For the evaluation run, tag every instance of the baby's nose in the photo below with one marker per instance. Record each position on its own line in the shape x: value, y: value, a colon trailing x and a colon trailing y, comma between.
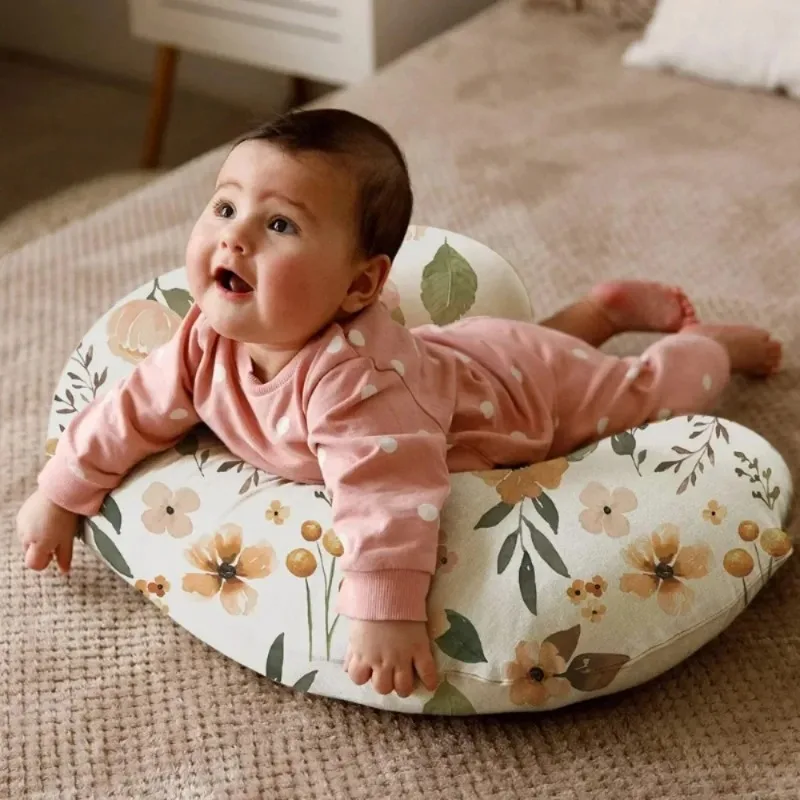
x: 234, y: 241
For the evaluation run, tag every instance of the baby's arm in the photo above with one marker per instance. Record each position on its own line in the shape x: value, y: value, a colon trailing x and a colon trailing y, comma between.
x: 384, y: 460
x: 145, y: 413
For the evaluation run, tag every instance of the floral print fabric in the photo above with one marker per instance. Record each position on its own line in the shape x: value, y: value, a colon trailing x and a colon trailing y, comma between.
x: 554, y: 583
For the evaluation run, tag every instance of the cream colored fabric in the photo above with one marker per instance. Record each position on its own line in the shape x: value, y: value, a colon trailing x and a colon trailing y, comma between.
x: 547, y: 590
x: 574, y: 169
x: 752, y: 44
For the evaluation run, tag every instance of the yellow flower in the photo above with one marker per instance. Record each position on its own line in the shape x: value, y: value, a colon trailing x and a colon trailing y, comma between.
x: 277, y: 513
x: 748, y: 530
x: 301, y: 563
x: 715, y: 513
x: 738, y: 563
x: 226, y: 566
x: 662, y: 563
x: 605, y: 511
x: 775, y: 542
x: 333, y: 544
x: 168, y: 511
x: 576, y: 592
x: 594, y: 611
x: 50, y: 447
x: 535, y: 674
x: 310, y: 530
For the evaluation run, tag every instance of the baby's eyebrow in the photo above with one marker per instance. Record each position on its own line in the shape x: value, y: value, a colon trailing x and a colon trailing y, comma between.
x: 296, y: 203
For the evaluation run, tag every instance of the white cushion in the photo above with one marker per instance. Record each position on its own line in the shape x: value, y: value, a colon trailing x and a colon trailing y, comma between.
x: 753, y: 43
x: 542, y: 597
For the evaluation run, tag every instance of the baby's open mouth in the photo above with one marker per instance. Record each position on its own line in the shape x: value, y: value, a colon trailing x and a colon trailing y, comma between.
x: 231, y: 282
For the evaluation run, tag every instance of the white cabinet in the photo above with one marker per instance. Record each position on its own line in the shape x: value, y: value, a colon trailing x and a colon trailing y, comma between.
x: 338, y: 41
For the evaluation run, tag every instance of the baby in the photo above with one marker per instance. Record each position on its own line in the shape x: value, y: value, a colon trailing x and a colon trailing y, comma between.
x: 291, y: 359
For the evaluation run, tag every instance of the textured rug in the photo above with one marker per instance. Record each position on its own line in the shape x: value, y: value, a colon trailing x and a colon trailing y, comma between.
x: 523, y: 131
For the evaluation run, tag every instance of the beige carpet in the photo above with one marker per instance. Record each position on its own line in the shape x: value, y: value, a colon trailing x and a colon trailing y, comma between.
x: 523, y: 131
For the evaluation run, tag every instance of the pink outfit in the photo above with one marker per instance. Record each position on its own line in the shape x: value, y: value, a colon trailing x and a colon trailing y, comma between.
x: 382, y: 415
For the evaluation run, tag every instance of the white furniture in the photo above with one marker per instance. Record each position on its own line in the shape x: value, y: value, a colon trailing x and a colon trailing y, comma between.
x: 337, y: 41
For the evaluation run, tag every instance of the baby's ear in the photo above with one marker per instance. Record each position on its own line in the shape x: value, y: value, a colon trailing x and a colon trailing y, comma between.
x: 368, y: 284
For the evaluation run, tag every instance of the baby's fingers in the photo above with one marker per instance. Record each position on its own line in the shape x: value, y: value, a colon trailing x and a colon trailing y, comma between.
x: 359, y: 671
x: 37, y: 557
x: 426, y: 669
x: 383, y: 679
x: 64, y: 554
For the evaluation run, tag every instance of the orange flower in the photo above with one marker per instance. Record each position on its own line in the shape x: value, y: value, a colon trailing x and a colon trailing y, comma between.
x: 715, y: 513
x: 333, y: 544
x: 169, y: 510
x: 535, y: 674
x: 446, y: 560
x: 594, y: 611
x: 662, y: 563
x: 277, y: 513
x: 748, y: 530
x: 775, y: 542
x: 225, y: 567
x: 576, y: 592
x: 139, y: 327
x: 310, y: 530
x: 516, y: 484
x: 597, y: 586
x: 159, y: 586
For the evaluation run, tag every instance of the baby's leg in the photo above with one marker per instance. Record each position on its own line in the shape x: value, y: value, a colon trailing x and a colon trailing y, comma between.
x: 623, y: 306
x: 599, y: 395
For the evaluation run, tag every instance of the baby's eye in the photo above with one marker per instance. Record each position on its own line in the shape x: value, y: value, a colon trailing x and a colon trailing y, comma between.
x: 282, y: 225
x: 222, y: 208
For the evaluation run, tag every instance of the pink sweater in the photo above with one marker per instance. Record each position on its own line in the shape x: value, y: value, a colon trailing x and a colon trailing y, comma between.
x: 379, y: 413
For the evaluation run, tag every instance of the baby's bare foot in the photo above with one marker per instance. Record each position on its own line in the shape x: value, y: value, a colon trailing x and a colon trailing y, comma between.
x: 643, y: 306
x: 751, y: 350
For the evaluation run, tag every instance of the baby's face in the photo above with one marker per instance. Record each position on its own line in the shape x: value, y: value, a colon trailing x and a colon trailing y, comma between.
x: 272, y: 257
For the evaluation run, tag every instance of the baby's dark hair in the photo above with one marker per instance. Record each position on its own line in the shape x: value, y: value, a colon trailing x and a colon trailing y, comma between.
x: 385, y: 199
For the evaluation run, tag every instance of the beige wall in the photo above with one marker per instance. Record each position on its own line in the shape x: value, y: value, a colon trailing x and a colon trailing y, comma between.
x: 94, y: 34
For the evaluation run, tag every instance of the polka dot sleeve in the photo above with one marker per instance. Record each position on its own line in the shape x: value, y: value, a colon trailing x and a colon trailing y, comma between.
x: 146, y: 413
x: 383, y: 458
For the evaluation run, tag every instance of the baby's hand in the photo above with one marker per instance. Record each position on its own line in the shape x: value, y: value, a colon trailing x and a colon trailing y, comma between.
x: 389, y: 652
x: 45, y: 530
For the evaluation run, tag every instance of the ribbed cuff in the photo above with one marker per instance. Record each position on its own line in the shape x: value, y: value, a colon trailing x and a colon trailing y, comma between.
x: 386, y: 595
x: 61, y: 486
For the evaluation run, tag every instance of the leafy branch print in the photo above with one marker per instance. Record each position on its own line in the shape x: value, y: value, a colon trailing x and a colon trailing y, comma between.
x: 768, y: 495
x: 86, y: 386
x: 712, y: 430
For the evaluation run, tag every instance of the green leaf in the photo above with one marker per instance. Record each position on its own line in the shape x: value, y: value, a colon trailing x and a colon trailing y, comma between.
x: 449, y: 701
x: 449, y: 286
x: 665, y: 465
x: 591, y: 672
x: 461, y: 640
x: 565, y: 641
x: 547, y: 510
x: 527, y: 582
x: 224, y: 467
x: 623, y: 444
x: 179, y: 300
x: 188, y: 445
x: 275, y: 660
x: 775, y: 493
x: 681, y: 451
x: 110, y: 510
x: 304, y: 684
x: 108, y: 550
x: 684, y: 484
x: 545, y: 549
x: 494, y: 516
x: 642, y: 457
x: 579, y: 455
x: 507, y: 551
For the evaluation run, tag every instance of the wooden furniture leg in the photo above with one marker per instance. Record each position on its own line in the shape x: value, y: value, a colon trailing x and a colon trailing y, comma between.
x: 160, y: 100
